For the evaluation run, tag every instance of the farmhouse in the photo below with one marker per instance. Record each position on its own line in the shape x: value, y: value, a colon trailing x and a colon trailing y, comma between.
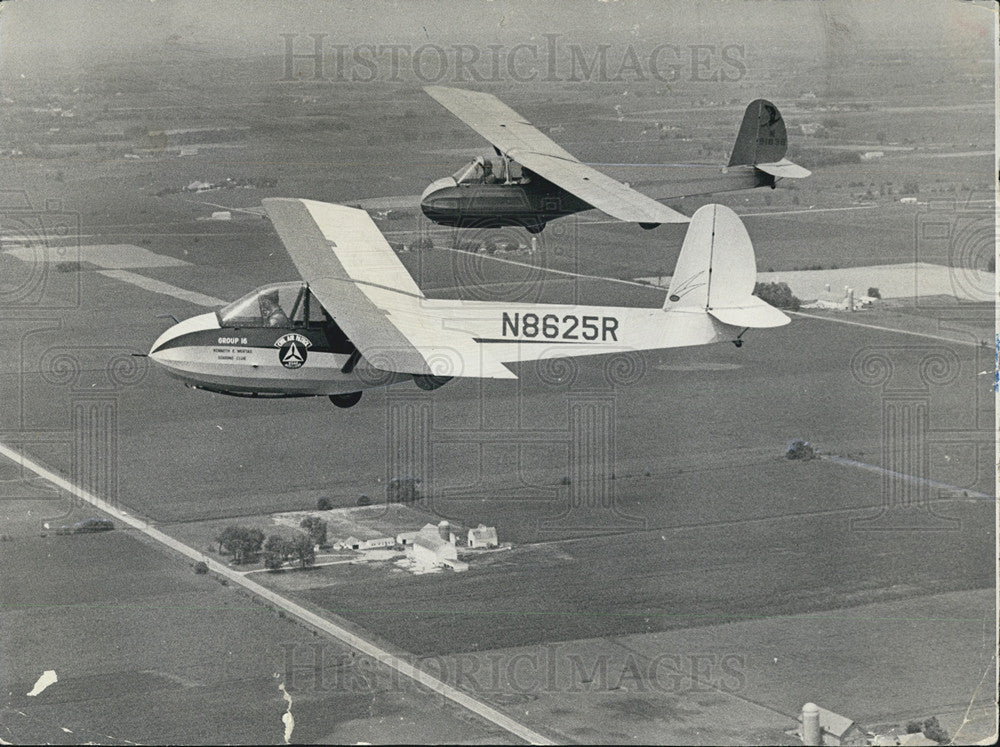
x: 483, y: 536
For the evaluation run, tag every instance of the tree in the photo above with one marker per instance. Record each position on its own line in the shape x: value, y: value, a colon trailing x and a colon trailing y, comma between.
x: 227, y: 539
x: 243, y: 543
x: 324, y: 504
x: 403, y: 490
x: 316, y: 528
x: 933, y: 730
x: 248, y: 544
x: 303, y: 549
x: 800, y: 450
x: 276, y: 551
x: 873, y: 292
x: 777, y: 294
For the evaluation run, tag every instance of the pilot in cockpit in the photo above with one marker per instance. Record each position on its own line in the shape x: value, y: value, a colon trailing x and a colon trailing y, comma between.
x: 486, y: 167
x: 271, y: 310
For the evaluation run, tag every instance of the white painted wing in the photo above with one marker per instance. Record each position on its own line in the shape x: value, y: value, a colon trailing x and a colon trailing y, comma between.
x: 396, y: 202
x: 360, y: 281
x: 495, y: 121
x: 514, y: 136
x: 604, y: 193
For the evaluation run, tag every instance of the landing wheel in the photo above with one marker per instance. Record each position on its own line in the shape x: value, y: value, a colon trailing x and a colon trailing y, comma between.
x: 738, y: 343
x: 346, y: 400
x: 535, y: 227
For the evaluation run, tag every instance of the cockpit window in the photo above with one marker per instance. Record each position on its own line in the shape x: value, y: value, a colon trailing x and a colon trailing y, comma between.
x: 490, y: 171
x: 469, y: 174
x: 283, y: 305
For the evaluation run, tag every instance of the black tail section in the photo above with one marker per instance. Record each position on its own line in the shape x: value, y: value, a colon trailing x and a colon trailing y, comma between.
x: 762, y: 137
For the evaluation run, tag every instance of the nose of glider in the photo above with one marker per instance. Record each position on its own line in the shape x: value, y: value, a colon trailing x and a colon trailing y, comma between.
x: 437, y: 185
x: 174, y: 336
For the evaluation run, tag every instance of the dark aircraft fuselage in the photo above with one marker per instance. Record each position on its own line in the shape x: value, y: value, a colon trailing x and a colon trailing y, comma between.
x: 531, y: 203
x: 472, y: 199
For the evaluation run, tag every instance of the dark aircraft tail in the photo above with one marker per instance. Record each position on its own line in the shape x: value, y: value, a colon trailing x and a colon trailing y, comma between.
x: 762, y: 142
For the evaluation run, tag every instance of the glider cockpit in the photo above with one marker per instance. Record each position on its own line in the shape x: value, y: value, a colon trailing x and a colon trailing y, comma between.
x: 491, y: 170
x: 288, y: 307
x: 284, y: 305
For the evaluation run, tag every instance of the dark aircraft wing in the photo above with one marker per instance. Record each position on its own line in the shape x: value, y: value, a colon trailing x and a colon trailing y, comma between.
x: 515, y: 137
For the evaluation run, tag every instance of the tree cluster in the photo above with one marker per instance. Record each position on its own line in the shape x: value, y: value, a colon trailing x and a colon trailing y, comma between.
x: 777, y: 294
x: 800, y: 450
x: 242, y: 543
x: 931, y: 729
x: 403, y: 490
x: 279, y: 550
x: 315, y: 528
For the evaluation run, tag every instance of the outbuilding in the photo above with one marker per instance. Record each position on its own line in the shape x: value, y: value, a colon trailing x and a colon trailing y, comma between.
x: 430, y: 550
x: 377, y: 542
x: 483, y: 536
x: 836, y: 729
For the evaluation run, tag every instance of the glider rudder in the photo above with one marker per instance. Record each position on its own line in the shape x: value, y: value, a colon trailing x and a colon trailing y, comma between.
x: 762, y: 137
x: 716, y: 272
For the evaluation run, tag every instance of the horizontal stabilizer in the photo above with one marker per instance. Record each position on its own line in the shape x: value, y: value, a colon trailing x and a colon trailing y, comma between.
x: 752, y: 312
x: 784, y: 169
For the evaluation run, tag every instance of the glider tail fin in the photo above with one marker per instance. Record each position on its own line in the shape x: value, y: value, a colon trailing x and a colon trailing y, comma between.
x: 762, y: 137
x: 716, y: 272
x: 762, y: 142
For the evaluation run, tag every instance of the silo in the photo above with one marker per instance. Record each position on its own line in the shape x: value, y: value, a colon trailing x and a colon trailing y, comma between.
x: 811, y: 733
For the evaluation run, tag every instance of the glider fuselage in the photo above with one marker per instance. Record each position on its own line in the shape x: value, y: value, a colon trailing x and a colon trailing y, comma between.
x: 303, y: 359
x: 531, y: 201
x: 358, y: 319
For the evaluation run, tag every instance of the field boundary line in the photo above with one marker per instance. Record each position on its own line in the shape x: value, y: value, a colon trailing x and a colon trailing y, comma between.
x: 939, y: 338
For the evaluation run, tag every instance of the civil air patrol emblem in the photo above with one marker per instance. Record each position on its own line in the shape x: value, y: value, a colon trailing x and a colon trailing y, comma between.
x: 293, y: 349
